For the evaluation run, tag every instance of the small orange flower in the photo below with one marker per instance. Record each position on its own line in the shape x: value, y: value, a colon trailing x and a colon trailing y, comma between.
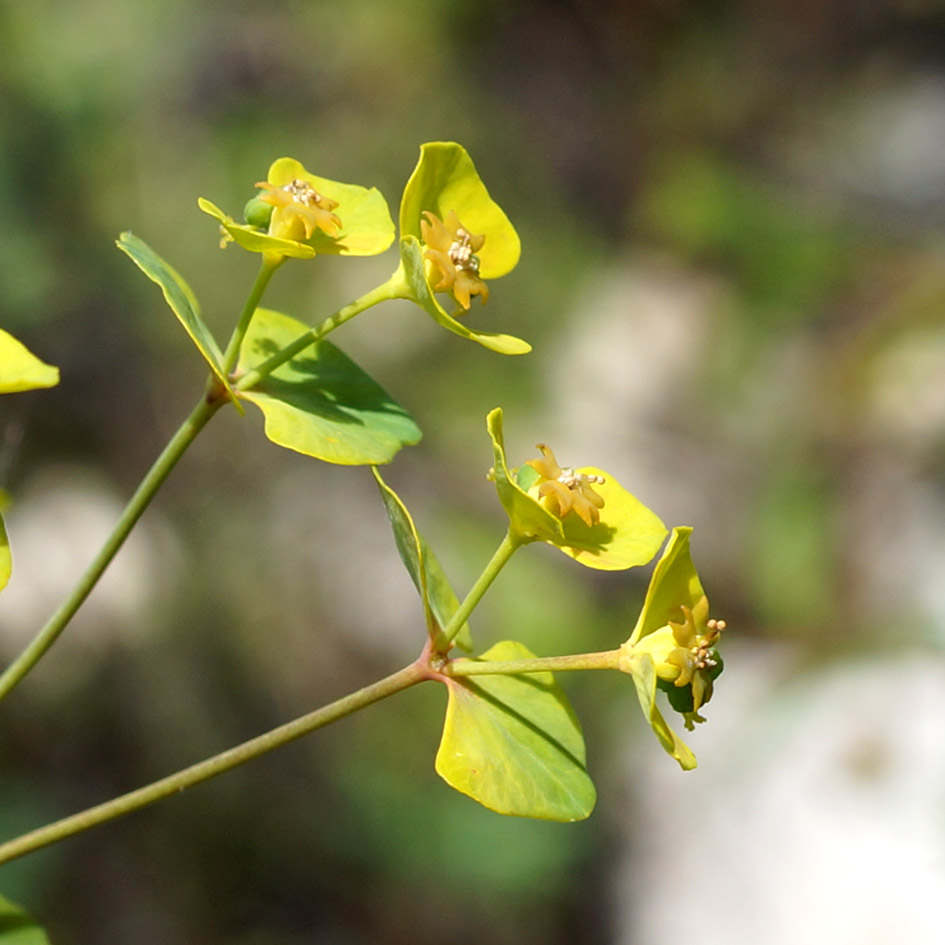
x: 451, y: 249
x: 299, y: 208
x: 564, y: 490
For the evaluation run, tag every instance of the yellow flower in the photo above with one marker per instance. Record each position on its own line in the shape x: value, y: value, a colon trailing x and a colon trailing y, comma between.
x: 673, y: 645
x: 564, y: 490
x: 685, y: 655
x: 451, y: 250
x: 299, y: 210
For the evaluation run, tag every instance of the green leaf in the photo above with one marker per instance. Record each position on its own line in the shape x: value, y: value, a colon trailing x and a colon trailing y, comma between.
x: 439, y: 599
x: 526, y: 515
x: 20, y: 369
x: 6, y: 559
x: 180, y: 298
x: 320, y: 402
x: 17, y: 927
x: 514, y: 744
x: 445, y: 179
x: 414, y: 273
x: 643, y: 671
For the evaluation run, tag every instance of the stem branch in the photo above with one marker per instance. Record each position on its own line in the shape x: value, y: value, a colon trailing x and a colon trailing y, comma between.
x: 156, y: 475
x: 382, y: 293
x: 408, y: 676
x: 609, y: 659
x: 500, y: 559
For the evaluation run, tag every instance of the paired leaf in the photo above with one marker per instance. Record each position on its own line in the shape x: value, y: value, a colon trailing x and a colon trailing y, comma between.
x: 366, y: 225
x: 627, y: 535
x: 526, y: 515
x: 413, y: 273
x: 439, y: 599
x: 320, y: 402
x: 254, y: 239
x: 514, y: 744
x: 20, y: 369
x: 445, y: 179
x: 17, y: 927
x: 180, y: 298
x: 674, y: 583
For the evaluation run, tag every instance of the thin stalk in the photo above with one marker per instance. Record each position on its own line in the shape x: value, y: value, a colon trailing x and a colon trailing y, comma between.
x: 510, y: 544
x: 382, y: 293
x: 211, y: 767
x: 156, y: 475
x: 610, y: 659
x: 266, y: 269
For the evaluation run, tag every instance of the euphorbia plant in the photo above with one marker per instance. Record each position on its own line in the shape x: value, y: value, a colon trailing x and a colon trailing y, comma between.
x: 510, y: 739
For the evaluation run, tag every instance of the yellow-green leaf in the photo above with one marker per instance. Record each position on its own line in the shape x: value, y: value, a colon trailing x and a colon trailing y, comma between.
x: 17, y: 927
x: 413, y: 273
x: 514, y: 744
x: 644, y: 677
x: 366, y: 224
x: 627, y: 535
x: 181, y: 299
x: 439, y: 599
x: 320, y: 402
x: 445, y: 179
x: 526, y: 515
x: 254, y: 239
x: 20, y: 369
x: 6, y: 559
x: 674, y: 584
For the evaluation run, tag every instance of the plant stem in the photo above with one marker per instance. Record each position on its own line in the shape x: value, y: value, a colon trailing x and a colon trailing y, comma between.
x: 472, y: 667
x: 218, y: 764
x: 510, y: 544
x: 382, y: 293
x: 266, y: 269
x: 156, y: 475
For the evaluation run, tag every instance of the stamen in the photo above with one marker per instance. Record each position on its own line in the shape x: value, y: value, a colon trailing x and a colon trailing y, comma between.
x: 571, y: 480
x: 461, y: 254
x: 304, y: 193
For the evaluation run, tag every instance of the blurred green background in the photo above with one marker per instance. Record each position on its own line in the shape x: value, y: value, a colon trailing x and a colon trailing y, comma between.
x: 733, y: 276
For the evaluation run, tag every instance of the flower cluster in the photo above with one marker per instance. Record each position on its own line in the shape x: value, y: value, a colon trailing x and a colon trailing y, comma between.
x: 564, y: 490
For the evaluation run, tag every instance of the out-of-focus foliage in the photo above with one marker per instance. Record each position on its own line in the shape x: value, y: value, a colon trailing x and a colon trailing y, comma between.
x: 733, y: 279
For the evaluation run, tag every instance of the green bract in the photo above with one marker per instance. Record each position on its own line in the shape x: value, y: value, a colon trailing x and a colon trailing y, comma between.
x: 445, y: 184
x: 20, y: 369
x: 673, y: 644
x: 364, y: 228
x: 627, y: 534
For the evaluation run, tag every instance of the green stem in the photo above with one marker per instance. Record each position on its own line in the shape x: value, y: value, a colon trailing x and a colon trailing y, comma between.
x: 156, y: 475
x: 218, y: 764
x: 266, y: 269
x: 510, y: 544
x: 609, y: 659
x: 383, y: 293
